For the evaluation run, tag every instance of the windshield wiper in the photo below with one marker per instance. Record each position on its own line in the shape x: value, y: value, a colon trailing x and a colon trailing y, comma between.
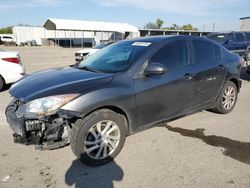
x: 88, y: 68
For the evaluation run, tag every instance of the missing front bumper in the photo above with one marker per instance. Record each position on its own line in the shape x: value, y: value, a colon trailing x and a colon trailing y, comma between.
x: 45, y: 133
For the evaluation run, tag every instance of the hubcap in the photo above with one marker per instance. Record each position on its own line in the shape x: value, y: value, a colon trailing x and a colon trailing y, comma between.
x: 229, y: 97
x: 102, y: 139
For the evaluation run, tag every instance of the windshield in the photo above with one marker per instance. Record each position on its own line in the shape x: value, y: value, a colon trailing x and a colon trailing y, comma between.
x: 115, y: 58
x: 218, y: 37
x: 100, y: 46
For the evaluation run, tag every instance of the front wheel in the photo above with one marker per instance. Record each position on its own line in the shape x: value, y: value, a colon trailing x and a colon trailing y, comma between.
x: 227, y: 98
x: 99, y: 137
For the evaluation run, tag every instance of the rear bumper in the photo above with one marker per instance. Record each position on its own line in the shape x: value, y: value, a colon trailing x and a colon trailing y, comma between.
x: 11, y: 76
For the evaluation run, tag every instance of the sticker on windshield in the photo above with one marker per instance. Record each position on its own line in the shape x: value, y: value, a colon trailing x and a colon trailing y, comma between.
x: 141, y: 43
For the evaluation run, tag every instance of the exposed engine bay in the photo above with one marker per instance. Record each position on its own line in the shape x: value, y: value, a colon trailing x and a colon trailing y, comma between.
x: 45, y: 132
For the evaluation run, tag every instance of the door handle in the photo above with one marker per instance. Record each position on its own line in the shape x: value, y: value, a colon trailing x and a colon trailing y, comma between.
x: 220, y: 67
x: 188, y: 76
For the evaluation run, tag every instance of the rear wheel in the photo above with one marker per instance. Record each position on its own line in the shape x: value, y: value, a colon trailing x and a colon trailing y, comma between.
x: 99, y: 137
x: 1, y: 83
x: 227, y: 98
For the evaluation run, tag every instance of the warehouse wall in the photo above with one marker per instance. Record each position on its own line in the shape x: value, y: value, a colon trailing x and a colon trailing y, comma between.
x: 41, y: 36
x: 245, y: 24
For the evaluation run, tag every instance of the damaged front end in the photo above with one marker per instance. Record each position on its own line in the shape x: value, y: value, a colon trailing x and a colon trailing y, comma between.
x: 44, y: 131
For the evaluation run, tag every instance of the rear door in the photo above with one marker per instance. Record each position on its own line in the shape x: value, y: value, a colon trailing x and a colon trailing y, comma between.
x: 247, y: 35
x: 210, y: 72
x: 162, y: 96
x: 240, y: 44
x: 229, y: 41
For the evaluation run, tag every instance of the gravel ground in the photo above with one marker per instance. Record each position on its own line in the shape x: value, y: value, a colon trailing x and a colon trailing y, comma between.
x: 201, y: 150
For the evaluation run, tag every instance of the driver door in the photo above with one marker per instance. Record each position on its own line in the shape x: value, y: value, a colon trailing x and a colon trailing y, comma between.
x: 159, y: 97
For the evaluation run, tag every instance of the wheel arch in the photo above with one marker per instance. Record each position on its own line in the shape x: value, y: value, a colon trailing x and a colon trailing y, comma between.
x: 4, y: 82
x: 236, y: 82
x: 118, y: 110
x: 2, y: 78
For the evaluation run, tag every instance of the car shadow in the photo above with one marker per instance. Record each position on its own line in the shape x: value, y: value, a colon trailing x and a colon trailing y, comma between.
x: 80, y: 175
x: 235, y: 149
x: 244, y: 75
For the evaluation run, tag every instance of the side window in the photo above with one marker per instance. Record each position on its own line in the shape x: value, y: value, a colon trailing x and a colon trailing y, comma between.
x: 6, y: 37
x: 229, y: 37
x: 203, y: 51
x: 172, y: 55
x: 247, y: 36
x: 239, y: 37
x: 217, y: 53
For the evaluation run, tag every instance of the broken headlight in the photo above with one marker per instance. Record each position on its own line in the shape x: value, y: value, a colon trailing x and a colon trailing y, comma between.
x: 45, y: 106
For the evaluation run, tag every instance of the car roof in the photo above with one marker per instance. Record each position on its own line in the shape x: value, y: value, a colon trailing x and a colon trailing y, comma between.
x: 161, y: 38
x: 227, y: 32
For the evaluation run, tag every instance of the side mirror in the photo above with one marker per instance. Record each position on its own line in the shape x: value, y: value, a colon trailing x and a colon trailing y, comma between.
x: 155, y: 69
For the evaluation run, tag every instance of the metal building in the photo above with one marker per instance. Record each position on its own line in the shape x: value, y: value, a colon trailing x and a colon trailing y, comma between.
x: 245, y: 24
x: 64, y: 32
x: 152, y: 32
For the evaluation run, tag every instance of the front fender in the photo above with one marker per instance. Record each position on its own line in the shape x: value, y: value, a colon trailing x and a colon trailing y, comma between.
x: 120, y: 97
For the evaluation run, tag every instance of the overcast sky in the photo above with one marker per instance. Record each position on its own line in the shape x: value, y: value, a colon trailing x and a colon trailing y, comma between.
x: 200, y: 13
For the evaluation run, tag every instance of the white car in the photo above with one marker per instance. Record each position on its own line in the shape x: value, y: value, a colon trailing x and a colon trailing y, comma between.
x: 7, y: 39
x: 11, y: 68
x: 82, y: 54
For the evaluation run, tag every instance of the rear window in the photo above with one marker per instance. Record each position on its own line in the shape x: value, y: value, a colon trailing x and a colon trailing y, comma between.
x: 203, y: 51
x: 217, y: 37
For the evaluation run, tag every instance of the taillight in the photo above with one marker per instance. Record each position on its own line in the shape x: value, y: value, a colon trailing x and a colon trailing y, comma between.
x: 12, y: 59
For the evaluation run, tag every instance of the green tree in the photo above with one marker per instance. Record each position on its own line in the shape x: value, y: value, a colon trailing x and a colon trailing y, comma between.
x: 154, y: 25
x: 174, y: 27
x: 189, y: 27
x: 159, y: 23
x: 150, y: 25
x: 6, y: 30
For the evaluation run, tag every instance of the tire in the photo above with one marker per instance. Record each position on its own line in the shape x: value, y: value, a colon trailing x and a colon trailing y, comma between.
x: 92, y: 143
x: 247, y: 59
x: 1, y: 83
x: 247, y: 53
x: 227, y: 99
x: 248, y: 69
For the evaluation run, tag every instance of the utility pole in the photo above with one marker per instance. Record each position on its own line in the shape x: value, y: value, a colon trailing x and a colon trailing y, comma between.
x: 213, y: 26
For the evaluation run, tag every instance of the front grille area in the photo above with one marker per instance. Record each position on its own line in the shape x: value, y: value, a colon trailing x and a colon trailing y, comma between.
x: 33, y: 125
x: 45, y: 133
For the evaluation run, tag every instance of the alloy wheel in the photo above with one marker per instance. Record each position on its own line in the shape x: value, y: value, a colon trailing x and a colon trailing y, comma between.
x: 229, y: 97
x: 102, y: 139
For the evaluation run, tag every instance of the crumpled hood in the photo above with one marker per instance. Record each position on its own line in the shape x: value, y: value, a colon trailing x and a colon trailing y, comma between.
x: 57, y: 81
